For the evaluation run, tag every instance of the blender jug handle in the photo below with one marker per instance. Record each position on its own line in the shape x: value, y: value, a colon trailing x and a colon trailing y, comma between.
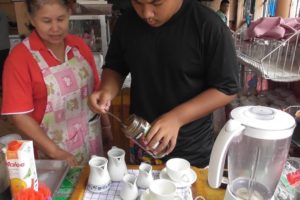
x: 231, y: 129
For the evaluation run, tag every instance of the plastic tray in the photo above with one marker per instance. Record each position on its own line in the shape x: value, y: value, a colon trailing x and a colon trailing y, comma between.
x: 52, y: 173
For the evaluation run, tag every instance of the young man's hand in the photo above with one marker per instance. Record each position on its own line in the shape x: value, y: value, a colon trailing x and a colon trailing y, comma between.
x: 163, y: 132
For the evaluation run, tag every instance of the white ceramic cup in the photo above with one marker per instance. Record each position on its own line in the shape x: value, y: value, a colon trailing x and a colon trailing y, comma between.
x: 161, y: 189
x: 178, y: 169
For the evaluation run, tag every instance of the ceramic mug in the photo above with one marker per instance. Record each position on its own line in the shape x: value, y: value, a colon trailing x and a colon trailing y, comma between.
x: 161, y: 189
x: 178, y: 169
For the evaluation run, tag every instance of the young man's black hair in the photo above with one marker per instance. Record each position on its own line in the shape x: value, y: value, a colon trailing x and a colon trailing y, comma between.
x: 224, y: 2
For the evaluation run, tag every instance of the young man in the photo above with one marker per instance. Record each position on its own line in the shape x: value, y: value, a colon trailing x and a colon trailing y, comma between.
x: 183, y: 66
x: 222, y: 12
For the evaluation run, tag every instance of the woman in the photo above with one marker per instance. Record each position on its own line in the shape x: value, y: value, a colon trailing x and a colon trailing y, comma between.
x: 47, y: 79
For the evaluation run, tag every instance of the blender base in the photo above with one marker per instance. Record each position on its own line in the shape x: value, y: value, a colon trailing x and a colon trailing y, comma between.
x: 230, y: 196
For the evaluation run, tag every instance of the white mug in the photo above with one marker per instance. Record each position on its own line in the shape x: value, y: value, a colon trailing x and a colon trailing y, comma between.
x: 162, y: 189
x: 178, y: 169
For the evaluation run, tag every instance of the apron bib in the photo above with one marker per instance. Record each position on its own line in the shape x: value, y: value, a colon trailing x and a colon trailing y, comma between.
x: 67, y: 114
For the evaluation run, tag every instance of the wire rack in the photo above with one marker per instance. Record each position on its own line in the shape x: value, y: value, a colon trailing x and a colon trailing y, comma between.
x: 277, y: 60
x: 294, y: 110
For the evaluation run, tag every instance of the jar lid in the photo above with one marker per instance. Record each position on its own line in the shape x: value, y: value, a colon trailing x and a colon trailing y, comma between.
x: 135, y: 126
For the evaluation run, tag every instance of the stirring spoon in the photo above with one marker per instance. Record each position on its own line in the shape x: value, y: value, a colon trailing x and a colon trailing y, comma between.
x: 116, y: 118
x: 111, y: 114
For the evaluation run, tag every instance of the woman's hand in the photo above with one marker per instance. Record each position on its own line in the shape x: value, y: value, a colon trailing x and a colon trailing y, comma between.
x: 60, y: 154
x: 99, y: 101
x: 31, y: 129
x: 111, y: 83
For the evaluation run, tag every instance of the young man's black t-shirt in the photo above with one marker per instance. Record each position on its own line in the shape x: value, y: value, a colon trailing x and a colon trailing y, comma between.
x: 171, y: 64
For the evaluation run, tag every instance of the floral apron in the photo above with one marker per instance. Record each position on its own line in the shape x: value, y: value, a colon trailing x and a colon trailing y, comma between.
x: 66, y: 118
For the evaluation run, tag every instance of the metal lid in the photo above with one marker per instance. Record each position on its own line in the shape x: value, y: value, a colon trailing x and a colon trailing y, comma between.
x: 265, y: 119
x: 135, y: 125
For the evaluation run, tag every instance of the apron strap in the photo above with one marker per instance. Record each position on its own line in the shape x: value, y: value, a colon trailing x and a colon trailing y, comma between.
x: 36, y: 55
x: 39, y: 58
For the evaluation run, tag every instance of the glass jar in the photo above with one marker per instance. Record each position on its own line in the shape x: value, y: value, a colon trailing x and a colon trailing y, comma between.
x: 136, y: 129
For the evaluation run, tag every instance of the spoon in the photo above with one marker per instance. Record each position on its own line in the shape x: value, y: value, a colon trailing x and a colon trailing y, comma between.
x: 111, y: 114
x: 116, y: 118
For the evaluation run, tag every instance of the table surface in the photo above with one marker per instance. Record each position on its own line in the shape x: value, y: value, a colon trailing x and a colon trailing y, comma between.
x: 200, y: 187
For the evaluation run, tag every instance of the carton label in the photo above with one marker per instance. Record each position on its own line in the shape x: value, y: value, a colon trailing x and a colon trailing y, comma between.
x: 21, y: 167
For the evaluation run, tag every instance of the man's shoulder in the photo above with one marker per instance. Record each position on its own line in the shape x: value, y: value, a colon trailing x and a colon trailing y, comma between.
x: 201, y: 9
x: 206, y: 18
x: 204, y: 14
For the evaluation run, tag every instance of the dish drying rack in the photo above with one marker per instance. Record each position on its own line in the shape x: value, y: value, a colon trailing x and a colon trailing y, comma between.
x: 277, y: 60
x: 294, y: 110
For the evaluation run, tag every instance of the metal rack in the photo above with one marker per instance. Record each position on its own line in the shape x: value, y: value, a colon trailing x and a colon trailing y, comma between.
x: 292, y: 109
x: 277, y: 60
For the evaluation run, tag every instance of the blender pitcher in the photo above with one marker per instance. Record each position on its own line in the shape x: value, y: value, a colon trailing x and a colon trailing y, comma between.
x: 257, y: 141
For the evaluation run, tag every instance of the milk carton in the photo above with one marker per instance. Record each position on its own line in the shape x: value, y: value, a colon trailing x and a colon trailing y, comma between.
x: 21, y: 165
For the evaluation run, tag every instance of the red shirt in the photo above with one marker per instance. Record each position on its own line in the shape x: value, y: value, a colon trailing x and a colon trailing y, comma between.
x: 24, y: 89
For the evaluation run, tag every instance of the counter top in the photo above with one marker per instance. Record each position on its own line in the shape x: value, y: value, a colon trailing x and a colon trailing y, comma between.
x: 200, y: 187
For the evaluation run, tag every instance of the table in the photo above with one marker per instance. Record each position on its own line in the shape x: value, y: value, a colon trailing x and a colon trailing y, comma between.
x: 200, y: 187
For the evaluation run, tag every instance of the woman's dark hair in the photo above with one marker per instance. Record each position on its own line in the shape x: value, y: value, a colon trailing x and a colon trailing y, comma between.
x: 34, y: 5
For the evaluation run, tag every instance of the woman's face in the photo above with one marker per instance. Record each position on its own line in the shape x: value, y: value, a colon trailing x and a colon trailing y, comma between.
x: 51, y: 21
